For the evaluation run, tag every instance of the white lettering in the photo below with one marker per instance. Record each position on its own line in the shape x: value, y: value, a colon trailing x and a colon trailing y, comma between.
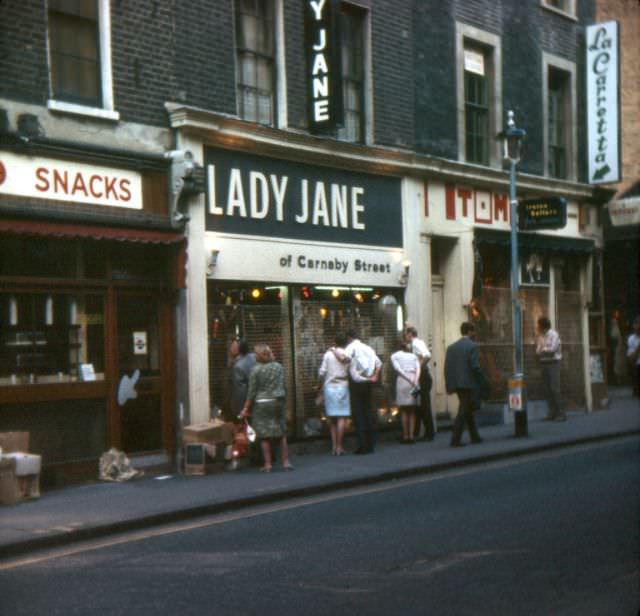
x: 235, y: 198
x: 211, y: 181
x: 279, y: 192
x: 320, y: 208
x: 357, y: 208
x: 317, y: 6
x: 258, y: 184
x: 322, y: 43
x: 321, y: 110
x: 339, y: 204
x: 319, y: 65
x: 304, y: 215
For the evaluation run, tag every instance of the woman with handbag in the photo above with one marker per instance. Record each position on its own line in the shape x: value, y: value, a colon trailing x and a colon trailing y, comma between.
x: 266, y: 405
x: 407, y: 368
x: 334, y: 378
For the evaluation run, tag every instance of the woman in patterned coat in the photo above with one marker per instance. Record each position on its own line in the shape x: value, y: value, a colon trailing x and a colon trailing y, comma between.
x: 265, y: 404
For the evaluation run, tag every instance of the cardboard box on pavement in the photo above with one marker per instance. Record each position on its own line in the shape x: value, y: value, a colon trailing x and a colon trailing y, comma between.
x: 213, y: 432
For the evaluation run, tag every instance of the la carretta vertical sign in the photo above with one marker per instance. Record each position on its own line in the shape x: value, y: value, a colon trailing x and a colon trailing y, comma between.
x: 324, y: 75
x: 603, y: 103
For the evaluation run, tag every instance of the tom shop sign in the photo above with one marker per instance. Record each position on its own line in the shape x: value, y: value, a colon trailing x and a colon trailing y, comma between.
x: 45, y: 178
x: 253, y: 195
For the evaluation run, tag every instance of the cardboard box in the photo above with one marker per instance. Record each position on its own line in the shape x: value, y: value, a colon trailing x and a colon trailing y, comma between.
x: 14, y: 441
x: 14, y: 489
x: 26, y: 463
x: 212, y: 432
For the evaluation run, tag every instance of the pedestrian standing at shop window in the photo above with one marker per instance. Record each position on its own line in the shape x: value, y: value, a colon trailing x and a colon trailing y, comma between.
x: 334, y: 377
x: 462, y: 373
x: 407, y: 368
x: 265, y: 404
x: 364, y: 370
x: 424, y: 415
x: 243, y: 363
x: 549, y: 352
x: 633, y: 355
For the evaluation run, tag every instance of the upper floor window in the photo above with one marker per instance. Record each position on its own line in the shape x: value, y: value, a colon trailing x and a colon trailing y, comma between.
x: 479, y: 86
x: 476, y: 103
x: 256, y: 60
x: 75, y: 53
x: 80, y: 57
x: 352, y: 31
x: 557, y: 124
x: 564, y: 6
x: 559, y: 115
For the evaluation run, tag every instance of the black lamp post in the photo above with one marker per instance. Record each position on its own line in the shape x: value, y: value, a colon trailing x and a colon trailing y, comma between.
x: 512, y: 139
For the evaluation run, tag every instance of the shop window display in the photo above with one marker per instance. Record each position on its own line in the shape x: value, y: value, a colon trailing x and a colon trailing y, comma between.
x: 299, y: 323
x: 51, y: 338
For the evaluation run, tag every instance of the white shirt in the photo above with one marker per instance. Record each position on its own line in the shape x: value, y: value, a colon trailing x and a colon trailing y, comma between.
x: 332, y: 370
x: 549, y: 346
x: 633, y: 342
x: 420, y: 349
x: 363, y: 361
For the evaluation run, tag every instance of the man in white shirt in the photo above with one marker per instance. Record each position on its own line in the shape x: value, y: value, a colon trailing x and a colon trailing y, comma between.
x: 633, y: 355
x: 419, y: 348
x: 549, y: 352
x: 364, y: 368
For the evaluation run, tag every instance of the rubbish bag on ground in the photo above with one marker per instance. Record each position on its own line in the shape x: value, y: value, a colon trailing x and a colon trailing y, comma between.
x: 115, y: 466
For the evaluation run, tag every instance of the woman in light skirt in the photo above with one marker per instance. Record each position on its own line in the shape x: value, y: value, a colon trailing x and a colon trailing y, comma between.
x: 334, y: 376
x: 407, y: 368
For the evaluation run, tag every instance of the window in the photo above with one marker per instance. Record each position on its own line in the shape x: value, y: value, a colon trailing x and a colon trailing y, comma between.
x: 479, y: 87
x: 256, y: 66
x: 476, y: 104
x: 559, y: 113
x: 557, y: 155
x: 80, y: 57
x: 563, y: 6
x: 352, y: 29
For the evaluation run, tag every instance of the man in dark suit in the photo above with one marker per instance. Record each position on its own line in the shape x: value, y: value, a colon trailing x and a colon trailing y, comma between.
x: 462, y: 375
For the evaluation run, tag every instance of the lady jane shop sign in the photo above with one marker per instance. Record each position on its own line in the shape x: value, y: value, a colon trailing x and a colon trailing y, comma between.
x: 322, y: 44
x: 252, y: 195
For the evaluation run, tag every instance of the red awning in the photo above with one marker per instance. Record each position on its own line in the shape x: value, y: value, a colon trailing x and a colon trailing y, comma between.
x: 94, y: 232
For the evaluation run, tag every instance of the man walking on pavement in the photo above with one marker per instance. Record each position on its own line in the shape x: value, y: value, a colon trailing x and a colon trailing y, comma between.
x: 364, y: 368
x: 549, y: 352
x: 424, y: 415
x: 462, y: 374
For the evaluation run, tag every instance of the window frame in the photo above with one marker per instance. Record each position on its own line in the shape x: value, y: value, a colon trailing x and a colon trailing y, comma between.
x: 471, y: 38
x: 105, y: 75
x: 568, y: 9
x: 278, y: 83
x: 366, y: 105
x: 556, y: 64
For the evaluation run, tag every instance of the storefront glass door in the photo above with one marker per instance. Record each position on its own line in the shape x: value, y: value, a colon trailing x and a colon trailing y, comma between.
x: 138, y: 393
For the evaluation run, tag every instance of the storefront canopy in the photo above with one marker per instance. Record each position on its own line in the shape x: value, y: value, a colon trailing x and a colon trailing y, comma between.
x: 95, y: 232
x: 536, y: 242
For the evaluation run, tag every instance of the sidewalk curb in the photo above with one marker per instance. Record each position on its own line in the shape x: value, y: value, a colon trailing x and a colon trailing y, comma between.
x: 18, y: 548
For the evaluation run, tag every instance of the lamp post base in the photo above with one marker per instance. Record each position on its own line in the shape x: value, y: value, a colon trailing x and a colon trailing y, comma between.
x: 520, y: 421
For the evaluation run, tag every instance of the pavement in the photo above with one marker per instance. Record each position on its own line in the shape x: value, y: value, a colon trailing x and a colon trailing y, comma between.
x: 90, y: 511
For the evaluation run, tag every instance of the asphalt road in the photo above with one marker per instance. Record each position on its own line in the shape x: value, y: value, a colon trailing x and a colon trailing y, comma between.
x: 552, y: 534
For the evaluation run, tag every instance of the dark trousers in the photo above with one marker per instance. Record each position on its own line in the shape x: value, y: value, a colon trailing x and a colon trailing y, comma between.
x: 363, y: 419
x: 551, y: 382
x: 635, y: 379
x: 464, y: 416
x: 424, y: 414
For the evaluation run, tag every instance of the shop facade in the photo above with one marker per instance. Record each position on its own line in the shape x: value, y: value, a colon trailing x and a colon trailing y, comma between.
x: 89, y: 272
x: 297, y: 252
x: 559, y: 277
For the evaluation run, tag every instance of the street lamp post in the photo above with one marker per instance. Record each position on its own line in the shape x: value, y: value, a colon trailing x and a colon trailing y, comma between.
x: 512, y: 139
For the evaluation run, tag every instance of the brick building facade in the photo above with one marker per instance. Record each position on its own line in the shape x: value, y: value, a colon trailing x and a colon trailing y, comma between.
x: 405, y: 194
